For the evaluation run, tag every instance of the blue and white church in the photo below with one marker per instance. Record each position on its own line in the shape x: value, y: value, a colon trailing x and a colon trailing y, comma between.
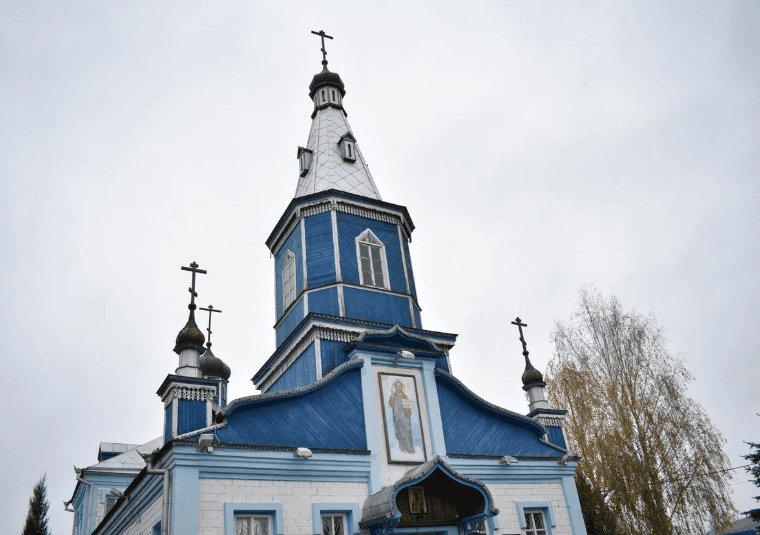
x: 360, y: 425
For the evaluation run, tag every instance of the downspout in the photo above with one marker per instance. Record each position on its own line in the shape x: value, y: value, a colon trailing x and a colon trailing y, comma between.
x: 89, y: 504
x: 163, y: 472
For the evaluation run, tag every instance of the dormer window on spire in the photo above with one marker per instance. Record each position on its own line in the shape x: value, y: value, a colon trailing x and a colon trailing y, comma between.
x: 289, y: 280
x: 304, y: 160
x: 347, y: 145
x: 370, y: 256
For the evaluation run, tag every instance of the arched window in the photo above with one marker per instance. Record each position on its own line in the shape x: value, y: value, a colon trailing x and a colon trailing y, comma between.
x: 370, y: 256
x: 288, y: 280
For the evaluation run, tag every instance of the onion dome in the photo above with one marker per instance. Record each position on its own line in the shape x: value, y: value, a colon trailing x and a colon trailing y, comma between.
x: 212, y: 366
x: 190, y: 337
x: 326, y: 78
x: 531, y: 374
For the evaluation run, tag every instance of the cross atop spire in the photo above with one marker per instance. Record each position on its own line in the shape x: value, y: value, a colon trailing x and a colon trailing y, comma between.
x: 194, y: 269
x: 210, y: 309
x: 531, y: 375
x: 322, y: 34
x: 520, y: 325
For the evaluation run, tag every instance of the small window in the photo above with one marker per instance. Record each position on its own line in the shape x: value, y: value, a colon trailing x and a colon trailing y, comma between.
x: 371, y: 256
x: 323, y: 96
x: 304, y: 160
x: 288, y: 280
x: 334, y: 524
x: 253, y: 525
x: 534, y: 520
x: 110, y: 502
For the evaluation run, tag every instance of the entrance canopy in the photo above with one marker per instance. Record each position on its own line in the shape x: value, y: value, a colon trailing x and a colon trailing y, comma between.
x: 430, y: 495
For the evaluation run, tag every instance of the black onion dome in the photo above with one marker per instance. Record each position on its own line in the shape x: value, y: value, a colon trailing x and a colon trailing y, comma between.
x: 190, y: 337
x: 326, y: 78
x: 212, y: 366
x: 531, y: 375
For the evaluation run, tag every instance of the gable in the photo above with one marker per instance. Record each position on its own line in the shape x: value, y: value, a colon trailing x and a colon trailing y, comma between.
x: 474, y: 427
x: 327, y: 414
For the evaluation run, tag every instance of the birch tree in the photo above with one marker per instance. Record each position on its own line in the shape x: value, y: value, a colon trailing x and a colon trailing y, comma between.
x: 649, y: 447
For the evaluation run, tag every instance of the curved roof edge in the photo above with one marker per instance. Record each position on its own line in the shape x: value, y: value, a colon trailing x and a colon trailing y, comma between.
x: 301, y: 390
x: 524, y: 421
x: 380, y: 507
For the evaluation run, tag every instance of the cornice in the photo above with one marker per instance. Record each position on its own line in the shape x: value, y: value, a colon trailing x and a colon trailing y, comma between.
x: 443, y: 340
x: 333, y: 199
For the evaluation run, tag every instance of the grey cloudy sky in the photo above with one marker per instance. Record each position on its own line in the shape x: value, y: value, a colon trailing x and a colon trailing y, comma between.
x: 538, y: 147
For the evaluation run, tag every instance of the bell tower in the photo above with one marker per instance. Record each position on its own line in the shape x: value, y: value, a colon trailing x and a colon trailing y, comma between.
x: 342, y: 256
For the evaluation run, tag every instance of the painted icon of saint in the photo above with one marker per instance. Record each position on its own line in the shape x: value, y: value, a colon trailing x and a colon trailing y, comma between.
x: 402, y: 417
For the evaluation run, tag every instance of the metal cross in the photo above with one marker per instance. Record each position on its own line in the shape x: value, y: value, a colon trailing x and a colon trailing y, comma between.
x: 210, y: 309
x: 194, y: 268
x: 322, y: 34
x: 520, y: 325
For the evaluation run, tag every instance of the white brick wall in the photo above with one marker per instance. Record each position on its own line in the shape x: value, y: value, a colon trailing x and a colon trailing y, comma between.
x: 506, y: 495
x: 148, y: 518
x: 296, y: 498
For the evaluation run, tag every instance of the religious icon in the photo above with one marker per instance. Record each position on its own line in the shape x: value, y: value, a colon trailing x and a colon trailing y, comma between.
x: 401, y: 414
x: 417, y: 504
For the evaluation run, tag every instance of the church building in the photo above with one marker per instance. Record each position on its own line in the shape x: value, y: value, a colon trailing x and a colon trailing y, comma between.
x: 360, y: 425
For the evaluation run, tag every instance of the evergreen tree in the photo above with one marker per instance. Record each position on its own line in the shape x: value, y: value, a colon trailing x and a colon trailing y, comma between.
x: 36, y: 518
x: 754, y: 469
x: 597, y: 514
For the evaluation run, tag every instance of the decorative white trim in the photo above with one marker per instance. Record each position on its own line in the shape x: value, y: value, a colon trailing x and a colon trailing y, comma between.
x: 175, y: 416
x: 312, y: 335
x: 318, y: 358
x: 341, y: 302
x: 303, y: 255
x: 290, y: 257
x: 353, y: 207
x: 336, y: 244
x: 371, y: 240
x: 403, y: 261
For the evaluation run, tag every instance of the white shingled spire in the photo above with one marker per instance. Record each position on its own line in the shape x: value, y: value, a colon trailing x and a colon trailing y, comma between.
x: 328, y: 168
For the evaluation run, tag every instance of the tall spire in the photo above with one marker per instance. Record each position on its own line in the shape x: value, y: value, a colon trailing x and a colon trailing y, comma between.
x: 332, y: 158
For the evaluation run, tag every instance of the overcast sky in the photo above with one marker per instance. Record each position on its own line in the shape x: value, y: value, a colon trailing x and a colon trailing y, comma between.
x: 538, y: 147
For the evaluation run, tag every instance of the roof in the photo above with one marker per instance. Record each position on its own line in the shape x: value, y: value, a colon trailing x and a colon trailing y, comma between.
x: 381, y: 505
x: 130, y: 458
x: 328, y: 169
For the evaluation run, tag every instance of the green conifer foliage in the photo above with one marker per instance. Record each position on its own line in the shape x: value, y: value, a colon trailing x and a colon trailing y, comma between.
x: 36, y: 518
x: 754, y: 469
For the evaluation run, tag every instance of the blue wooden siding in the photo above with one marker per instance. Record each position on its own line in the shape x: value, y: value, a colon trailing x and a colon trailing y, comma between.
x: 191, y: 415
x: 329, y: 416
x: 332, y: 355
x: 471, y: 427
x: 377, y: 306
x: 291, y: 321
x: 556, y: 436
x: 320, y: 255
x: 349, y: 227
x: 443, y: 364
x: 293, y: 243
x: 417, y: 316
x: 412, y: 286
x: 324, y: 301
x: 168, y: 420
x: 302, y: 372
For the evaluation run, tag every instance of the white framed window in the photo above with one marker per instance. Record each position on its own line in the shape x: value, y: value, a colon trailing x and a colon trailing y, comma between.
x: 288, y: 280
x: 110, y: 502
x: 535, y: 523
x: 347, y: 147
x: 371, y: 260
x: 253, y: 525
x: 334, y: 524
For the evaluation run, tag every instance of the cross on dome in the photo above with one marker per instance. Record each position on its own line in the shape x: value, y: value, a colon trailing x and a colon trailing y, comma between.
x: 322, y: 34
